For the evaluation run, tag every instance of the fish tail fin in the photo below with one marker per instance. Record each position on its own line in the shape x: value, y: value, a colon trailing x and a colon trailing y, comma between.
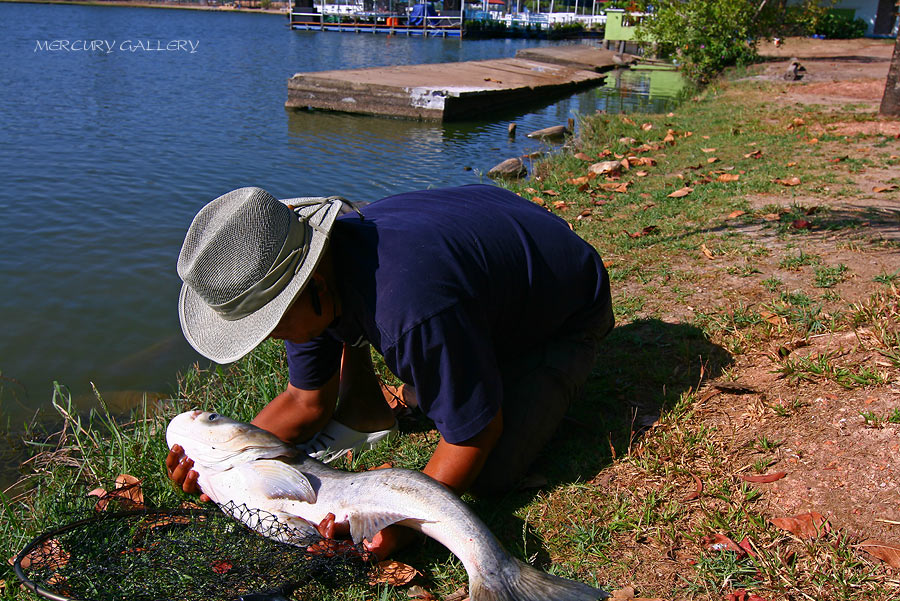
x: 521, y: 582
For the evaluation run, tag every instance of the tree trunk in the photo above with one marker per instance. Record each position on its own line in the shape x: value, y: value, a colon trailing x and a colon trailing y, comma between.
x: 890, y: 102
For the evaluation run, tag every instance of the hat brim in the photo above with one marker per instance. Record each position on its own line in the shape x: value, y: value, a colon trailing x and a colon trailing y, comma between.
x: 225, y: 341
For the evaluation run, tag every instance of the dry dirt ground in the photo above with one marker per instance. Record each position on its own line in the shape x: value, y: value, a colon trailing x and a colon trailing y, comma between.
x: 842, y: 458
x: 837, y: 463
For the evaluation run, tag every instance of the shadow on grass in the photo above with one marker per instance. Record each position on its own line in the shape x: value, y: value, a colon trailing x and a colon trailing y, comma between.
x: 641, y: 373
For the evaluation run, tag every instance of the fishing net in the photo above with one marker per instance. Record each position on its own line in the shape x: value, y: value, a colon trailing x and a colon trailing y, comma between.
x: 117, y: 551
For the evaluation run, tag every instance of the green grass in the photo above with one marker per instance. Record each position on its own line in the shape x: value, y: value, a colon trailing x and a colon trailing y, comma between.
x: 614, y: 511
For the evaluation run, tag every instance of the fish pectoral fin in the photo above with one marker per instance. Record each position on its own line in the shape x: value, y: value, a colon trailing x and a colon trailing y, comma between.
x: 367, y: 525
x: 278, y: 480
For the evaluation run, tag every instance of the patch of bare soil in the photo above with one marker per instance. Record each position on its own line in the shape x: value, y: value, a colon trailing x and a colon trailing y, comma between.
x: 836, y: 71
x: 821, y: 408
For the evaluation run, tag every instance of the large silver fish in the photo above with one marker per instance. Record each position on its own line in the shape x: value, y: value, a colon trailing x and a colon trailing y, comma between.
x: 240, y: 464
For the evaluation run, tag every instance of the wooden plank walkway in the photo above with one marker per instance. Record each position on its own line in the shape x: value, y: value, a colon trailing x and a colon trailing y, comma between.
x: 450, y: 91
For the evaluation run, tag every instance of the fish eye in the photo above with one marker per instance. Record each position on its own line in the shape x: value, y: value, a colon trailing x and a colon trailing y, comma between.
x: 213, y: 417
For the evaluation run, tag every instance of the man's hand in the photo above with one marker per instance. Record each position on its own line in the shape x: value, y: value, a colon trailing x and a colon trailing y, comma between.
x: 389, y: 540
x: 179, y: 467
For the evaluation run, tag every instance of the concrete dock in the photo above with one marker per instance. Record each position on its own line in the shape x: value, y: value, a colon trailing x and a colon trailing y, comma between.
x: 453, y: 91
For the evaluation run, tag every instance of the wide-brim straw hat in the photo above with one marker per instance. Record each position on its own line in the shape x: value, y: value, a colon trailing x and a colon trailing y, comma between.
x: 246, y: 257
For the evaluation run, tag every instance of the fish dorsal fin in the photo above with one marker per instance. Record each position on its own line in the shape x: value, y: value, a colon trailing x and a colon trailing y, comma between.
x: 366, y: 525
x: 278, y: 480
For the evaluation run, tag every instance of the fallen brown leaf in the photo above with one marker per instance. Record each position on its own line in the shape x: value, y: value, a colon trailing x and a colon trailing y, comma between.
x: 551, y: 192
x: 584, y: 214
x: 646, y: 126
x: 791, y: 181
x: 583, y: 157
x: 728, y: 177
x: 720, y: 542
x: 647, y: 230
x: 560, y: 205
x: 392, y: 572
x: 49, y: 554
x: 889, y: 553
x: 879, y: 189
x: 628, y: 121
x: 707, y: 150
x: 698, y: 490
x: 735, y: 214
x: 681, y: 192
x: 805, y: 526
x: 127, y: 491
x: 417, y: 592
x: 537, y: 200
x: 627, y: 594
x: 771, y: 217
x: 579, y: 181
x: 801, y: 224
x: 460, y: 594
x: 756, y: 154
x: 772, y: 318
x: 763, y: 478
x: 706, y: 252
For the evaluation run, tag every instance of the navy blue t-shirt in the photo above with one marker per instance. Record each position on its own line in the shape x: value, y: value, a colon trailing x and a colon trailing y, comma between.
x: 448, y: 285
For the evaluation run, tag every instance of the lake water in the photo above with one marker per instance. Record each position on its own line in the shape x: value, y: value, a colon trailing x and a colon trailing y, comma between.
x: 107, y: 155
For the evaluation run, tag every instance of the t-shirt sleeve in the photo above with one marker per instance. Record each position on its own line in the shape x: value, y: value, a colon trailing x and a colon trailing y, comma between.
x: 451, y: 361
x: 311, y: 364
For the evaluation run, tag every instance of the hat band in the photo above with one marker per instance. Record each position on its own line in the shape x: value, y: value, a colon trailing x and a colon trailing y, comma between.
x: 285, y: 266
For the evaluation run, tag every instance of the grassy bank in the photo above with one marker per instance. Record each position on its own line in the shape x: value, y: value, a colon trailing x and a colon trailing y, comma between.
x: 751, y: 243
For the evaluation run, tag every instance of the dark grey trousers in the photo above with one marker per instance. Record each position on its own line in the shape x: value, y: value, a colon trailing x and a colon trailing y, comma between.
x: 537, y: 390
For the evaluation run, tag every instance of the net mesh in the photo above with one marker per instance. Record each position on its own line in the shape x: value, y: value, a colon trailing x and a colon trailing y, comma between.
x: 182, y: 554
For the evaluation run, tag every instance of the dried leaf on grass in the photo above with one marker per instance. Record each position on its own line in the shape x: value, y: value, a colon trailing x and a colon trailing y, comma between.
x: 392, y: 572
x: 551, y: 192
x: 728, y: 177
x: 127, y: 491
x: 720, y: 542
x: 627, y: 594
x: 460, y: 594
x: 790, y: 181
x: 681, y: 192
x: 756, y: 154
x: 805, y: 526
x: 49, y: 554
x: 706, y: 252
x: 889, y: 553
x: 878, y: 189
x: 583, y: 157
x: 763, y: 478
x: 735, y: 214
x: 698, y: 489
x: 647, y: 230
x: 417, y: 592
x: 743, y: 595
x: 772, y: 318
x: 801, y: 224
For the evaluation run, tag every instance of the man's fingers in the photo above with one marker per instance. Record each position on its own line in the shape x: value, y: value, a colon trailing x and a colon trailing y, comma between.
x: 173, y: 458
x: 326, y: 526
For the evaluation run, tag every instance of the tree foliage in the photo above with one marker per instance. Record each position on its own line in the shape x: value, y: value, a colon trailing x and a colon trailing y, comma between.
x: 705, y: 36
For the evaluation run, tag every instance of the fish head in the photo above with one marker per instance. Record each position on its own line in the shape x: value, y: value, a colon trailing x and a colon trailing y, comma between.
x: 217, y: 442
